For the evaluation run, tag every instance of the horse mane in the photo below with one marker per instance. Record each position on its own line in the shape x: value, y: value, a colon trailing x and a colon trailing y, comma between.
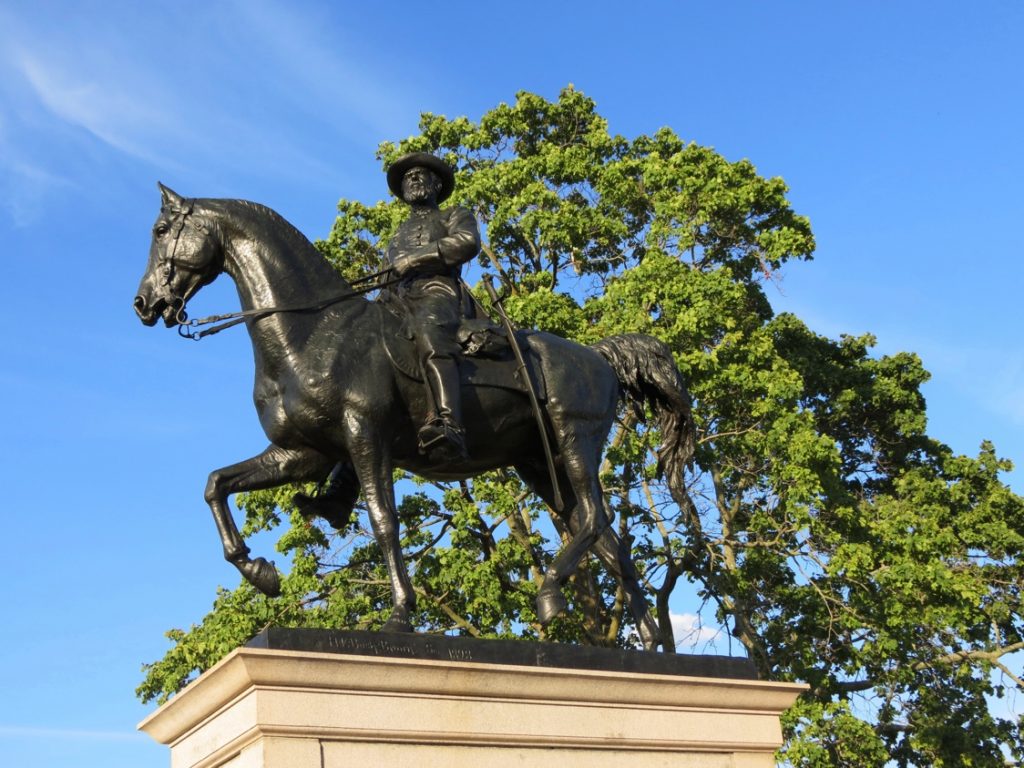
x: 248, y: 213
x: 286, y: 226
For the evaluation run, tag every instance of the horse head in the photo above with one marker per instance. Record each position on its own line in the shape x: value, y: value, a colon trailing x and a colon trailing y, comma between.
x: 183, y: 257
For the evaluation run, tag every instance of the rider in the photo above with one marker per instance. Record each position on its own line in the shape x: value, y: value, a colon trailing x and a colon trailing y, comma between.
x: 427, y: 254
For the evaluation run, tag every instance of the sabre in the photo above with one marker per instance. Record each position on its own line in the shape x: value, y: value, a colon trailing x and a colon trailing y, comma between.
x: 524, y: 377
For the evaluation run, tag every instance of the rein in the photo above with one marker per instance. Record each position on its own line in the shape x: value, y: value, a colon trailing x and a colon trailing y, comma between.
x: 186, y: 326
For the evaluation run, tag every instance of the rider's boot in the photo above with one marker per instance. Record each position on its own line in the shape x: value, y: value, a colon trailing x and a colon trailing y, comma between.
x: 444, y: 436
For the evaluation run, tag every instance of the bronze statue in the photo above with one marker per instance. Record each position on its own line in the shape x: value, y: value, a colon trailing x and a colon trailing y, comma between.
x: 332, y: 391
x: 427, y: 253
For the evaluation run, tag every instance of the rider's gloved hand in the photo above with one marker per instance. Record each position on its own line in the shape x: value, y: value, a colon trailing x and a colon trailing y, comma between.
x: 423, y: 257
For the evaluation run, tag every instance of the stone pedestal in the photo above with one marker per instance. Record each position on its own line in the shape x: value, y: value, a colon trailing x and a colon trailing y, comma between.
x: 374, y: 700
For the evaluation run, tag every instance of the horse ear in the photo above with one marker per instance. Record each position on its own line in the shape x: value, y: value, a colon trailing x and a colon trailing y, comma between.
x: 170, y: 198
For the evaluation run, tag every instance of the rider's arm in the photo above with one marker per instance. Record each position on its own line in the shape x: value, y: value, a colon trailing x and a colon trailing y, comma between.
x: 460, y: 245
x: 462, y: 242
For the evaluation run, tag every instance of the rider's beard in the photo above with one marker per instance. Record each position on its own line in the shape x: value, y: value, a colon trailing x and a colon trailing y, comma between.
x: 420, y: 192
x: 418, y: 195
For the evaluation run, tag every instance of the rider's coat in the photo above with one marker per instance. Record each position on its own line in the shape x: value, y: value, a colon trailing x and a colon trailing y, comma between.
x: 428, y: 252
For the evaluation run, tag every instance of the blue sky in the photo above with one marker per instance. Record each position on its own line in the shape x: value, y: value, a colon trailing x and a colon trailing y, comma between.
x: 896, y: 126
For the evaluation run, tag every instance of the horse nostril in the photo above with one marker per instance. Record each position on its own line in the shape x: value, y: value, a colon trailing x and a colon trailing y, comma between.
x: 142, y: 310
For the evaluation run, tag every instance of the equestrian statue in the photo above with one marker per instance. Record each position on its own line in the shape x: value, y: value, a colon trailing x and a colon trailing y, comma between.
x: 348, y: 389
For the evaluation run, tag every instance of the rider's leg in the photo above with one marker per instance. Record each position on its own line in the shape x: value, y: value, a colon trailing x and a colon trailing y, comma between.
x: 445, y: 431
x: 436, y: 321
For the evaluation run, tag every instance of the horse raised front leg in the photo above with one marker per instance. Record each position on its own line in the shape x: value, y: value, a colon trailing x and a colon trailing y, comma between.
x: 275, y: 466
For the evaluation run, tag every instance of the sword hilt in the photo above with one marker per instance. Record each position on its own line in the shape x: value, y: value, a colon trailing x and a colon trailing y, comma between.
x: 495, y: 297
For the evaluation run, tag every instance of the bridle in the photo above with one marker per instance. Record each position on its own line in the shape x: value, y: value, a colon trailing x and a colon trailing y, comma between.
x: 186, y: 327
x: 168, y: 266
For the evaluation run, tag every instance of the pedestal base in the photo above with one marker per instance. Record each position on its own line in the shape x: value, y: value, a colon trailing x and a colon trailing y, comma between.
x: 274, y: 708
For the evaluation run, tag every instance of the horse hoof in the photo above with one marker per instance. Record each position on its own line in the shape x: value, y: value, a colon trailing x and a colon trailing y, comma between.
x: 550, y: 603
x: 398, y: 621
x: 263, y: 576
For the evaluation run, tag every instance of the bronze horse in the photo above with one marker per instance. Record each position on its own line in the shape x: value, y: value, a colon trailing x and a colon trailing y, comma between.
x: 326, y: 392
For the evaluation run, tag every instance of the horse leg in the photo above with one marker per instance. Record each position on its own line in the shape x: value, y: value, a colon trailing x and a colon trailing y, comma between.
x: 275, y: 466
x: 610, y: 548
x: 336, y: 500
x: 580, y: 458
x: 373, y: 468
x: 614, y: 553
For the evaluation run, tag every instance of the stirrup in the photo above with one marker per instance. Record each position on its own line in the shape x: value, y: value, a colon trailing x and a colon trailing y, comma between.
x: 444, y: 437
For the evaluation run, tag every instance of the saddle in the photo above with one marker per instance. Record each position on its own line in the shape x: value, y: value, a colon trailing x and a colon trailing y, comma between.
x: 486, y: 358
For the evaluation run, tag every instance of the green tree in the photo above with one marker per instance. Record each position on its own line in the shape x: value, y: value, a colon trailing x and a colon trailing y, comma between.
x: 838, y: 542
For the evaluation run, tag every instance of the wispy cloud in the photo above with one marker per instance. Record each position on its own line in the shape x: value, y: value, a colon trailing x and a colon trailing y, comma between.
x: 108, y: 110
x: 996, y: 387
x: 24, y: 187
x: 974, y: 353
x: 690, y: 632
x: 1008, y: 396
x: 69, y: 734
x: 339, y: 76
x: 987, y: 374
x: 253, y: 88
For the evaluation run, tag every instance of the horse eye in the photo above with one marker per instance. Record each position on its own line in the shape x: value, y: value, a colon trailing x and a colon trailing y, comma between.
x: 160, y: 230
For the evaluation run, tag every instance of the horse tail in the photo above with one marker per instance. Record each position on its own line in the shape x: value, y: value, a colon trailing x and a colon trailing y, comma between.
x: 648, y: 374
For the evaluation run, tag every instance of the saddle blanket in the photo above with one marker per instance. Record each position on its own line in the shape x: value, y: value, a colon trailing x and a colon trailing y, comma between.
x: 500, y: 371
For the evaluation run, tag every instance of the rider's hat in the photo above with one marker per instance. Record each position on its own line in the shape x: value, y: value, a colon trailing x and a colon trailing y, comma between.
x: 423, y: 160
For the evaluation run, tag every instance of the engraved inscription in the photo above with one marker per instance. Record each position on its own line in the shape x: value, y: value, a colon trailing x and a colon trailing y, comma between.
x: 370, y: 647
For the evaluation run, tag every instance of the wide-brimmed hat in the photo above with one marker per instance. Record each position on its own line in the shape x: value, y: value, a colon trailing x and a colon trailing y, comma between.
x: 422, y: 160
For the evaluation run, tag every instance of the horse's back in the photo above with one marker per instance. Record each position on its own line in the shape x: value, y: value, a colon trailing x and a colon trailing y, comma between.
x: 577, y: 377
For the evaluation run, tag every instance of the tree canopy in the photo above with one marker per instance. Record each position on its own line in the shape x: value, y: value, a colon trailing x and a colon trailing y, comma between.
x: 835, y: 540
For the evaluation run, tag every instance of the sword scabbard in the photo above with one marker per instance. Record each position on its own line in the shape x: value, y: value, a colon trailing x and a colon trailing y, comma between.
x: 527, y: 382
